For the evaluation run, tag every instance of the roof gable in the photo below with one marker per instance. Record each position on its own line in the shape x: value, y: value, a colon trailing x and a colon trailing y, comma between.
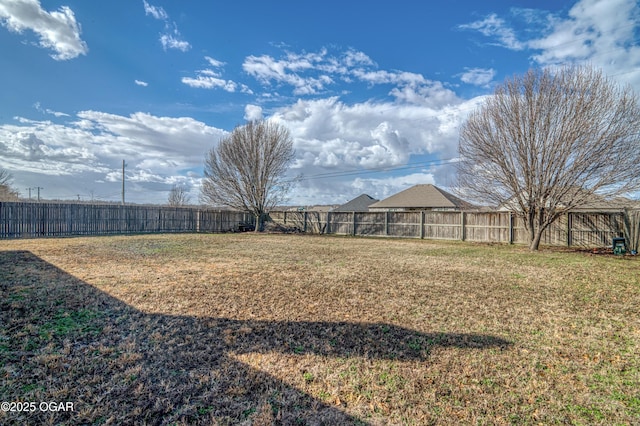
x: 422, y: 196
x: 359, y: 204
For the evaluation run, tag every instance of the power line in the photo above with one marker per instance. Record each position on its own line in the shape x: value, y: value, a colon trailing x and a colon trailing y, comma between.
x: 352, y: 172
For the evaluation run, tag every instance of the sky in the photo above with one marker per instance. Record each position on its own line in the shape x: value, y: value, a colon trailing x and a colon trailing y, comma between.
x: 372, y: 92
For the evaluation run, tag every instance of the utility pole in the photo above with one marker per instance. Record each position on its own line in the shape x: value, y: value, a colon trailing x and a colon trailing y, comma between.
x: 39, y: 188
x: 29, y: 189
x: 123, y: 165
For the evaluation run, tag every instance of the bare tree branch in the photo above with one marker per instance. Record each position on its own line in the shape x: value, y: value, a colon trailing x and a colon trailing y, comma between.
x: 178, y: 196
x: 7, y: 192
x: 549, y: 140
x: 246, y: 170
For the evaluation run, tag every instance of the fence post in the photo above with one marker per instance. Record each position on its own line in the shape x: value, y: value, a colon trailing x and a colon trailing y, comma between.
x: 328, y: 223
x: 511, y: 232
x: 353, y: 223
x: 304, y: 226
x: 386, y: 223
x: 422, y: 216
x: 569, y: 228
x: 463, y: 229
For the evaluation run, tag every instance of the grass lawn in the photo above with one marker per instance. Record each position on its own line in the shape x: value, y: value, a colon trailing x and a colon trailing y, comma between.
x: 293, y: 329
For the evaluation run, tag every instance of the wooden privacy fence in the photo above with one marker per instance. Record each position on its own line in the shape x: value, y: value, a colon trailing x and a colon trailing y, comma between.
x: 31, y: 220
x: 587, y: 229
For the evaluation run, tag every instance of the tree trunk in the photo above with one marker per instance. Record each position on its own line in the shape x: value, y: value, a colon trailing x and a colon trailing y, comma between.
x: 532, y: 229
x: 258, y: 225
x: 535, y: 242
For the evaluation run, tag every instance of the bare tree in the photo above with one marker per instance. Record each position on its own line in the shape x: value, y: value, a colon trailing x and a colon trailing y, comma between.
x: 548, y: 141
x: 178, y: 196
x: 246, y: 169
x: 7, y: 192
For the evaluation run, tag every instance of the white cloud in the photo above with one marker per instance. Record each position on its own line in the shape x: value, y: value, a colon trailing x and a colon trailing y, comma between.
x: 599, y: 33
x: 210, y: 79
x: 171, y: 37
x: 308, y: 73
x: 170, y: 41
x: 57, y: 30
x: 495, y: 27
x: 317, y: 73
x: 478, y: 76
x: 158, y: 150
x: 252, y: 112
x: 39, y: 108
x: 204, y: 81
x: 141, y: 83
x: 156, y: 12
x: 595, y: 32
x: 266, y: 69
x: 214, y: 62
x: 333, y: 137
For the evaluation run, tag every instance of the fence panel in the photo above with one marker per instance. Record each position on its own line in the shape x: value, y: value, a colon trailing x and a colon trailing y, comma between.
x: 595, y: 229
x: 589, y: 229
x: 405, y: 224
x: 373, y: 223
x: 341, y: 223
x: 31, y: 220
x: 488, y: 226
x: 443, y: 225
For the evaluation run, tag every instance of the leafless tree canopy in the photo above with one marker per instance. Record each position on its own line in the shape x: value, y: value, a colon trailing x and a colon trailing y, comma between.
x: 178, y: 196
x: 246, y: 170
x: 549, y: 140
x: 7, y: 192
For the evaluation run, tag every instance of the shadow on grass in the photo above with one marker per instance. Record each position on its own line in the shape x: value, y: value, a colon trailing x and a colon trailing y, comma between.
x: 62, y: 339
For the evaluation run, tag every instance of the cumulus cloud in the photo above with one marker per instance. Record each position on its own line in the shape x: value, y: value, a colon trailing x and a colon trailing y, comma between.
x: 212, y: 79
x: 308, y: 73
x: 158, y: 150
x: 141, y: 83
x: 478, y: 76
x: 318, y: 73
x: 596, y: 32
x: 57, y: 30
x: 332, y: 138
x: 600, y: 33
x: 267, y: 69
x: 252, y: 112
x: 170, y: 38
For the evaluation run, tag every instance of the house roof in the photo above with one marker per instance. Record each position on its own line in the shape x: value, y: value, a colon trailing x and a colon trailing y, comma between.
x: 359, y: 204
x: 422, y: 196
x: 591, y: 202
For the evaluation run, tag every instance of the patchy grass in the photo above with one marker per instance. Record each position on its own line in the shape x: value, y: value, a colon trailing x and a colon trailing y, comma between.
x: 294, y: 329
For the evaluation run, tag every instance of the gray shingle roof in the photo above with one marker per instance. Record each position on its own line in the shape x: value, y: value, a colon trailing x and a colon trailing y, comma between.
x: 359, y: 204
x: 422, y: 196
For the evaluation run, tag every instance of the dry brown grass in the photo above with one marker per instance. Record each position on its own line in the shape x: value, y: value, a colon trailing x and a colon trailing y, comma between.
x: 294, y: 329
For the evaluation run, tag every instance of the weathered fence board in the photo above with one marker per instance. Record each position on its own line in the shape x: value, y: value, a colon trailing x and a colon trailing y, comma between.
x: 30, y: 220
x: 586, y: 229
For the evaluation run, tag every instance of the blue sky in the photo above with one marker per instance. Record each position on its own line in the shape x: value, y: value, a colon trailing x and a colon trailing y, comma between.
x: 373, y: 92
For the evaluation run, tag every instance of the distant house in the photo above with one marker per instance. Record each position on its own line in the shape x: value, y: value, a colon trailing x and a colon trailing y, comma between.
x: 421, y: 197
x: 316, y: 208
x: 591, y: 203
x: 359, y: 204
